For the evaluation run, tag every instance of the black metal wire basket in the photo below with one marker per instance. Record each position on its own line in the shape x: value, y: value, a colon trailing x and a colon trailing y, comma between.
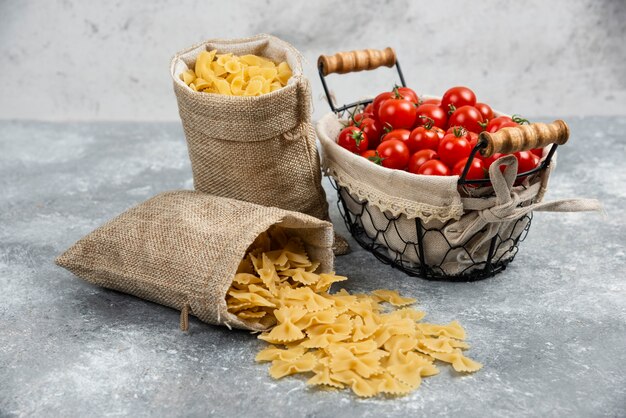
x: 403, y: 243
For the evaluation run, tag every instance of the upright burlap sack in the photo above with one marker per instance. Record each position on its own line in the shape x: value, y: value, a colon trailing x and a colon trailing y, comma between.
x: 257, y: 149
x: 457, y: 228
x: 182, y: 248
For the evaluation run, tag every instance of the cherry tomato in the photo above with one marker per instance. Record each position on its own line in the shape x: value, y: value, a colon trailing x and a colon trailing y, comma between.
x: 495, y: 124
x: 372, y: 155
x: 457, y: 97
x: 475, y: 172
x: 472, y: 137
x: 468, y: 117
x: 526, y: 161
x: 419, y: 158
x: 538, y: 152
x: 394, y: 154
x: 369, y: 109
x: 453, y: 149
x: 373, y: 130
x: 485, y: 110
x: 356, y: 119
x: 440, y: 132
x: 422, y: 138
x: 397, y: 113
x: 378, y: 100
x: 435, y: 113
x: 434, y: 168
x: 353, y: 139
x: 403, y: 135
x: 432, y: 101
x: 408, y: 94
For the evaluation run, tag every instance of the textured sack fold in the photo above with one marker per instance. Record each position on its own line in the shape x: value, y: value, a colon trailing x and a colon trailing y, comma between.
x: 458, y: 229
x: 257, y: 149
x: 182, y: 248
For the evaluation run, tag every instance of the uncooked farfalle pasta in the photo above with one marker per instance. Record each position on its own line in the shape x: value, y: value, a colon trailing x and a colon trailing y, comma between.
x: 373, y: 344
x: 229, y: 74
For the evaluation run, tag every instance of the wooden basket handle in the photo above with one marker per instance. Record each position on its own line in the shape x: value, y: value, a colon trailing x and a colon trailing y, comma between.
x: 524, y: 137
x: 352, y: 61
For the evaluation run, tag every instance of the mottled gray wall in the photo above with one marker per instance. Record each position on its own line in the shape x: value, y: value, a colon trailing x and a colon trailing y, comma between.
x: 75, y: 59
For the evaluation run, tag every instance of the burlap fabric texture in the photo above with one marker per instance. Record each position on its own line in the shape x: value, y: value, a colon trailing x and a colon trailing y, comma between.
x: 257, y: 149
x: 456, y: 220
x: 182, y: 248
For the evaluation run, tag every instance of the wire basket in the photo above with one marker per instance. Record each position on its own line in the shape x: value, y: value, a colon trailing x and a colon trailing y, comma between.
x: 420, y: 247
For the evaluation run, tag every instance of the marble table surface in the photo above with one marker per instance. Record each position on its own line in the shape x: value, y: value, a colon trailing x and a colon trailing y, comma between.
x: 550, y: 330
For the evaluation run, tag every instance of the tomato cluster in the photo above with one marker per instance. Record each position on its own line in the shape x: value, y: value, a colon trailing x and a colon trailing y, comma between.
x: 400, y: 131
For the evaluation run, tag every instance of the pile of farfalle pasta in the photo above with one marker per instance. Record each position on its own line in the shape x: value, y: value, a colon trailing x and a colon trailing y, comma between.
x: 373, y: 344
x: 232, y: 75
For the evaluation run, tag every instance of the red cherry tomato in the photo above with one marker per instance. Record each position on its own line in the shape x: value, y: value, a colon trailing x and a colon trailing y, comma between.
x: 468, y: 117
x: 422, y: 138
x: 434, y: 168
x: 453, y: 149
x: 397, y: 113
x: 353, y: 139
x: 399, y: 134
x: 458, y: 97
x: 369, y: 109
x: 378, y: 100
x: 440, y: 132
x: 356, y: 119
x: 538, y: 152
x: 432, y: 101
x: 475, y: 172
x: 408, y: 94
x: 419, y: 158
x: 394, y: 154
x: 495, y: 124
x: 427, y: 112
x: 371, y: 155
x: 373, y: 130
x: 526, y: 161
x: 485, y: 110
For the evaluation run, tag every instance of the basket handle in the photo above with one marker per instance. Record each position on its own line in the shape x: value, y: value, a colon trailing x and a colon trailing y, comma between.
x: 353, y: 61
x: 524, y: 137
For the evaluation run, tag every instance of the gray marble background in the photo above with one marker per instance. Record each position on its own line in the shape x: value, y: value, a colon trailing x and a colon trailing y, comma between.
x: 85, y: 60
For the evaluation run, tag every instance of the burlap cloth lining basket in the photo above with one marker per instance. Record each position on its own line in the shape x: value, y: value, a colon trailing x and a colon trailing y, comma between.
x: 436, y: 200
x: 182, y: 248
x: 257, y: 149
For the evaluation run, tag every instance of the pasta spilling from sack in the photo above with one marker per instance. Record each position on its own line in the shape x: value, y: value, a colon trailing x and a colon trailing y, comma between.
x: 232, y: 75
x: 372, y: 344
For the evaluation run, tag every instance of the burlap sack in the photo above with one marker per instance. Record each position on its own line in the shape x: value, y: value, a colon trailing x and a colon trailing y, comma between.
x: 182, y: 248
x: 257, y: 149
x: 457, y: 229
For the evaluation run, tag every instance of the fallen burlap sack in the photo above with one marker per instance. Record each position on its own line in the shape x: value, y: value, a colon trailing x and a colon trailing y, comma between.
x: 182, y: 249
x: 257, y: 149
x: 457, y: 229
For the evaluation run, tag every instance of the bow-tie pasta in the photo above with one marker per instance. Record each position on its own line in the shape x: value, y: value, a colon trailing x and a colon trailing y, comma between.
x: 373, y: 344
x: 232, y: 75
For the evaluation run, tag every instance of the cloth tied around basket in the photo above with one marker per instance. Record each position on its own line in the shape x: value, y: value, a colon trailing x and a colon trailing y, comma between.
x: 507, y: 206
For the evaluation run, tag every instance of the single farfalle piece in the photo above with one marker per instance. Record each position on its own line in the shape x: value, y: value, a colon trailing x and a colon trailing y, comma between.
x: 286, y: 330
x: 459, y: 362
x: 272, y: 353
x: 359, y: 385
x: 452, y: 330
x: 393, y: 297
x: 326, y: 280
x: 282, y: 368
x: 365, y: 364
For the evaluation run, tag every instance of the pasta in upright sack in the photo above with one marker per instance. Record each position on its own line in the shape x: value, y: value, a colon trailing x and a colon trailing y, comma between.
x: 245, y: 106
